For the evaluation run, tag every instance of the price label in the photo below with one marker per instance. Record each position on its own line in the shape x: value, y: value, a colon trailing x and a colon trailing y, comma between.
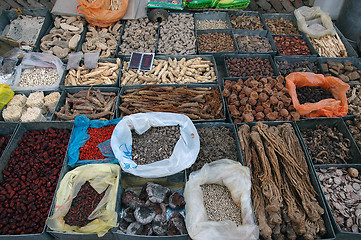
x: 135, y: 60
x: 147, y: 62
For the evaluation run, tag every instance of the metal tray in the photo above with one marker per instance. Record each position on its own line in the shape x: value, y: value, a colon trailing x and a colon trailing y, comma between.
x: 78, y: 89
x: 262, y: 33
x: 111, y: 60
x: 247, y: 13
x: 292, y: 59
x: 262, y: 56
x: 213, y: 86
x: 285, y: 16
x: 319, y: 196
x: 9, y: 15
x: 179, y: 57
x: 81, y: 236
x: 311, y: 123
x: 339, y: 233
x: 304, y: 37
x: 4, y: 161
x: 212, y: 16
x: 175, y: 182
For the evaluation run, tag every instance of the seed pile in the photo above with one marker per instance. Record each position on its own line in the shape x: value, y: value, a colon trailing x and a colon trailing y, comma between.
x: 215, y: 143
x: 354, y: 127
x: 215, y: 42
x: 197, y: 103
x: 312, y: 94
x: 83, y: 205
x: 97, y: 135
x: 219, y: 204
x: 211, y: 24
x: 253, y: 43
x: 286, y: 68
x: 284, y: 200
x: 327, y: 145
x: 281, y: 26
x: 246, y: 22
x: 155, y: 144
x: 342, y: 188
x: 38, y: 76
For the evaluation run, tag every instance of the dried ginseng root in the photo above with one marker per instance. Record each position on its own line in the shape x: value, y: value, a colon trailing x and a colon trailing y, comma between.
x: 284, y: 200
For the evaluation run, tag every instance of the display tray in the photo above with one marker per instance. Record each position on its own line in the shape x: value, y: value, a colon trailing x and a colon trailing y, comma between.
x: 212, y: 16
x: 285, y: 16
x: 179, y: 57
x: 302, y: 36
x: 319, y: 196
x: 6, y: 157
x: 174, y: 182
x: 8, y: 128
x: 311, y: 123
x: 246, y: 13
x: 293, y: 59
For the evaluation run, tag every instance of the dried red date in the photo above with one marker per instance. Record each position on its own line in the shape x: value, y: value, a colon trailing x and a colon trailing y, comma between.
x: 292, y: 45
x: 30, y: 180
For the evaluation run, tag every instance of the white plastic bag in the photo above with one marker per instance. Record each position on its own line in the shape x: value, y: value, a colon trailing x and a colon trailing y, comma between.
x: 314, y: 22
x: 35, y: 59
x: 184, y: 154
x: 238, y: 181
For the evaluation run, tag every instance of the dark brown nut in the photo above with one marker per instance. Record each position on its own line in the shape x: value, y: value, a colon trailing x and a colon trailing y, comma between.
x: 291, y: 45
x: 216, y: 42
x: 246, y: 22
x: 286, y: 68
x: 281, y: 26
x: 250, y: 66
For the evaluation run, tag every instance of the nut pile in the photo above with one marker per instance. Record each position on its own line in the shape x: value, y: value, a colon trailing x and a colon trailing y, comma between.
x: 146, y: 213
x: 283, y: 197
x: 215, y: 42
x: 30, y: 180
x: 291, y: 45
x: 327, y: 145
x: 259, y: 99
x: 215, y: 143
x: 249, y: 66
x: 342, y: 188
x: 155, y: 144
x: 197, y: 103
x: 90, y: 103
x: 194, y: 70
x: 354, y: 100
x: 211, y: 24
x: 354, y: 127
x: 253, y: 43
x: 281, y: 26
x: 246, y: 22
x: 286, y: 67
x: 308, y: 94
x: 219, y: 204
x: 102, y: 40
x: 38, y: 76
x: 63, y: 37
x: 139, y: 36
x: 105, y: 73
x: 345, y: 71
x: 177, y: 35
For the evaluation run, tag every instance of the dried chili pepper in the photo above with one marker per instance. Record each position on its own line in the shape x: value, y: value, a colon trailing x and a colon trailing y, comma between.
x: 97, y: 136
x: 83, y: 205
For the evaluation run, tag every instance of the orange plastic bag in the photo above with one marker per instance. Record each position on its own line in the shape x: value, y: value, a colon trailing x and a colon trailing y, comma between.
x: 99, y: 13
x: 336, y: 107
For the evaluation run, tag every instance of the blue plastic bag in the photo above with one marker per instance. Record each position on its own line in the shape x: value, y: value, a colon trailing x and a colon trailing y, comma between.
x: 80, y: 136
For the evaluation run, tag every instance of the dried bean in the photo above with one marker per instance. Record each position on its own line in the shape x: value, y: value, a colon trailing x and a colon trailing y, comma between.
x: 291, y: 45
x: 342, y: 192
x: 246, y: 22
x: 38, y: 76
x: 30, y: 180
x: 155, y: 144
x: 327, y: 145
x: 345, y: 71
x: 215, y: 143
x: 286, y: 68
x: 250, y: 66
x: 281, y: 26
x: 312, y: 94
x: 253, y: 43
x: 215, y: 42
x: 211, y: 24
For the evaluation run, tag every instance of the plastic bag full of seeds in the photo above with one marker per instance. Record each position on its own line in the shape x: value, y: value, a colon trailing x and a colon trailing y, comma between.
x: 218, y: 201
x: 155, y: 144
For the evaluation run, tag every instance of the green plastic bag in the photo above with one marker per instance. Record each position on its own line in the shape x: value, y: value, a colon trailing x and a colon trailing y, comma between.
x: 200, y: 3
x: 233, y: 4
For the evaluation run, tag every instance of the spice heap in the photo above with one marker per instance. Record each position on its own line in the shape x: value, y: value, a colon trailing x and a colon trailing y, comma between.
x: 38, y: 76
x: 211, y: 24
x: 219, y: 204
x: 354, y: 100
x: 155, y: 144
x: 215, y: 42
x: 327, y: 145
x: 4, y: 140
x: 312, y: 94
x: 291, y: 45
x: 281, y: 26
x: 215, y: 143
x: 83, y: 205
x: 354, y: 127
x: 249, y: 66
x: 97, y: 135
x: 253, y: 43
x: 345, y: 71
x: 30, y: 180
x: 197, y: 103
x: 246, y: 22
x: 286, y: 68
x: 146, y: 213
x: 90, y: 103
x: 342, y: 192
x: 284, y: 200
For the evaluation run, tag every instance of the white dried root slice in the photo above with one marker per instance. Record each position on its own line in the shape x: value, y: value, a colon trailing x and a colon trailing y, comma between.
x: 106, y: 73
x: 17, y: 100
x: 195, y: 70
x: 35, y: 99
x: 12, y: 113
x: 51, y: 100
x: 32, y: 114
